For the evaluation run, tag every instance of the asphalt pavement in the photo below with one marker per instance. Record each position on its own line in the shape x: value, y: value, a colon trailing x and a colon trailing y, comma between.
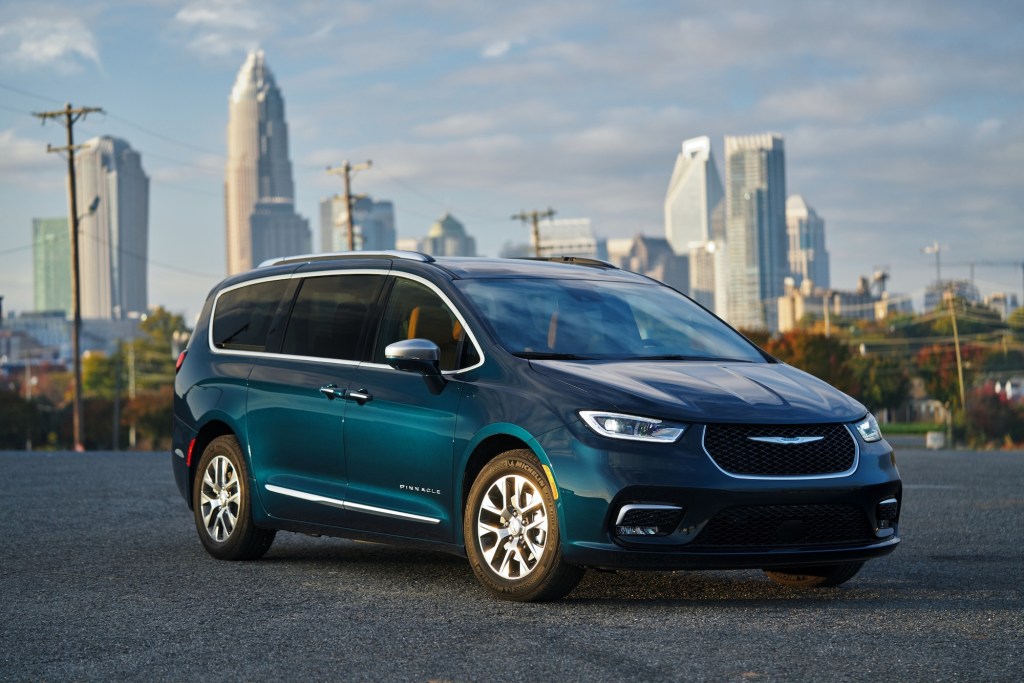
x: 102, y: 578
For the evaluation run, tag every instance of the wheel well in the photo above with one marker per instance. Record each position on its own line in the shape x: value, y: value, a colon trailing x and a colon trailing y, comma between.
x: 484, y: 453
x: 207, y: 433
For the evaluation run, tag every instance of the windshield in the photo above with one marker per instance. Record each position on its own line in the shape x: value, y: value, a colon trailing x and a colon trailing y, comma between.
x: 598, y: 319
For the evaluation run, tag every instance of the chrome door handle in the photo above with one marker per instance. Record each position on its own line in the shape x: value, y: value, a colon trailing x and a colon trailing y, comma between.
x: 361, y: 396
x: 331, y: 391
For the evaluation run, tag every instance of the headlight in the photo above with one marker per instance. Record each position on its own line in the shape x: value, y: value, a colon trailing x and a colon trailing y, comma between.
x: 869, y: 429
x: 631, y: 427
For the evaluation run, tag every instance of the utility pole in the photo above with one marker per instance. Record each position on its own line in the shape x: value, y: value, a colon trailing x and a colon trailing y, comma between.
x: 70, y: 116
x: 956, y: 342
x: 534, y: 218
x: 345, y: 171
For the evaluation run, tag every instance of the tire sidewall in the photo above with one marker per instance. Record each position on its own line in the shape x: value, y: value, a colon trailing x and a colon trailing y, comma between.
x: 523, y: 464
x: 228, y: 447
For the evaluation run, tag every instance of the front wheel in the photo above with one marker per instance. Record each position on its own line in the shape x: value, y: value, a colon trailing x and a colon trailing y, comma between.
x: 814, y: 577
x: 511, y: 532
x: 222, y: 504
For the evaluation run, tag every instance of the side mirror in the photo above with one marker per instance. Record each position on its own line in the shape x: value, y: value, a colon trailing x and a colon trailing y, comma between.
x: 417, y: 355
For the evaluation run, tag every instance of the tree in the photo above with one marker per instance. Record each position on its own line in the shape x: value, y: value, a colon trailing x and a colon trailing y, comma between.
x: 824, y: 357
x: 880, y: 383
x: 936, y: 364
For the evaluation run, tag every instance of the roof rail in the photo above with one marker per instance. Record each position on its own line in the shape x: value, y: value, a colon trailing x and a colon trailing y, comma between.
x: 335, y: 255
x: 575, y: 260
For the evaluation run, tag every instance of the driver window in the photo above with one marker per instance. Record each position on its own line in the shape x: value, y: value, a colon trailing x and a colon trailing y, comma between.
x: 414, y: 311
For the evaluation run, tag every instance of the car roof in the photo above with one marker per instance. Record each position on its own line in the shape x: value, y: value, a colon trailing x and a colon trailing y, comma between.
x: 456, y: 268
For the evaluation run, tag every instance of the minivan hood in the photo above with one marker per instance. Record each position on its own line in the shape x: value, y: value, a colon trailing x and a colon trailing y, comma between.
x: 707, y: 391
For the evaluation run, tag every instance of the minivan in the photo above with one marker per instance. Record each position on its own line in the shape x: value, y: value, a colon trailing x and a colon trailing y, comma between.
x: 536, y: 416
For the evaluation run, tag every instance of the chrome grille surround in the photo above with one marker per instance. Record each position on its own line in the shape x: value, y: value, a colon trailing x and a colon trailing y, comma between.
x: 734, y: 451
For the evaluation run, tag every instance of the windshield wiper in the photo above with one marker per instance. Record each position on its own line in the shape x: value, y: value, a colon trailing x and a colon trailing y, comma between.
x: 544, y: 355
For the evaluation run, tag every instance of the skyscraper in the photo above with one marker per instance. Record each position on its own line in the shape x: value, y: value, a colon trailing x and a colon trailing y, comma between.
x: 373, y: 222
x: 693, y: 203
x: 808, y: 257
x: 51, y: 265
x: 113, y: 244
x: 695, y: 218
x: 755, y: 228
x: 258, y: 191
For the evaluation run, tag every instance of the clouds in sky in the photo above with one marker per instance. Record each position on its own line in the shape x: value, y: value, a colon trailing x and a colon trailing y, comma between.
x: 902, y: 121
x: 30, y: 41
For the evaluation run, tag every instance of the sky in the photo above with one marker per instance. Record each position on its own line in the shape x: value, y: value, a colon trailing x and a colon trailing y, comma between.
x: 903, y: 122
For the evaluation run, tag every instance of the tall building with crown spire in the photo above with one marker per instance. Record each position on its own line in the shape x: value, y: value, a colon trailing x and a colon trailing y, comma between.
x: 258, y: 192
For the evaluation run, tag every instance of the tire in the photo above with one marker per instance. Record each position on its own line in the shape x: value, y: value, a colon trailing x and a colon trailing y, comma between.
x: 814, y: 577
x: 222, y: 506
x: 511, y: 532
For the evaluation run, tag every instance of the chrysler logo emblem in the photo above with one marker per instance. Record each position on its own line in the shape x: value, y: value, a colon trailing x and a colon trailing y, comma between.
x: 786, y: 440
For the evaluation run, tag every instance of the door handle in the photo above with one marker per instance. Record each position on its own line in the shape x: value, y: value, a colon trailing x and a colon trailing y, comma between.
x: 361, y: 396
x: 331, y: 391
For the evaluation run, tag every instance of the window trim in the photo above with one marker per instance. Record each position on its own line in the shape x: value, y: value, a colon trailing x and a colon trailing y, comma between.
x: 376, y: 320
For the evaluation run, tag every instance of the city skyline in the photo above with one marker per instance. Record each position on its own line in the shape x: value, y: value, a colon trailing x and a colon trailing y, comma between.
x: 901, y: 123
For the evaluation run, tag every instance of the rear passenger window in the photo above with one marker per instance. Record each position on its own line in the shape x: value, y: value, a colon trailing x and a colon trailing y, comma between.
x: 242, y: 316
x: 330, y: 314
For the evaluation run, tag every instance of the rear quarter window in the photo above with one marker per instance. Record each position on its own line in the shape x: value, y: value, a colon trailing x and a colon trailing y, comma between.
x: 242, y: 316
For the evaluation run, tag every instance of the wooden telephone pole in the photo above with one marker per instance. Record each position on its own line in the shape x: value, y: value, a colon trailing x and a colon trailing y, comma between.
x: 534, y: 217
x: 70, y: 116
x: 345, y: 171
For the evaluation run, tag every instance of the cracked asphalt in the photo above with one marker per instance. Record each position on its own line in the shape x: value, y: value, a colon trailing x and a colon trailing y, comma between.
x: 103, y: 578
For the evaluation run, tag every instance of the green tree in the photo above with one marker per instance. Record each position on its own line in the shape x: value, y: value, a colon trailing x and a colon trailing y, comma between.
x: 826, y: 358
x: 880, y: 383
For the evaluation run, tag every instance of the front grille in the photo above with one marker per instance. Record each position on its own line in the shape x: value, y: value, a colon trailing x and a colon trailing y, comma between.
x: 732, y: 449
x: 785, y: 525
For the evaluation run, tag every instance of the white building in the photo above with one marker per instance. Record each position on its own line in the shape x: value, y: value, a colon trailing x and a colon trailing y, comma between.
x: 259, y: 196
x: 113, y: 244
x: 805, y: 230
x: 694, y: 200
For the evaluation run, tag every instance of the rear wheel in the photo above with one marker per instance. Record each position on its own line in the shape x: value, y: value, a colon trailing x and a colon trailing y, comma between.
x: 511, y: 531
x: 222, y: 507
x: 814, y: 577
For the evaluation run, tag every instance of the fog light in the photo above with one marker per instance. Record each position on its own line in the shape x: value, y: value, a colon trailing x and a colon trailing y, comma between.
x: 887, y: 512
x: 639, y: 519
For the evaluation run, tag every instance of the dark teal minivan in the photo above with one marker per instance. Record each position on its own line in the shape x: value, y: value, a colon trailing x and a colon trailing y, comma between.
x: 536, y: 416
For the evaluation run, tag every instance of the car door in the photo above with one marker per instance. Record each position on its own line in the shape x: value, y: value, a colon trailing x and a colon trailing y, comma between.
x: 298, y: 398
x: 399, y: 436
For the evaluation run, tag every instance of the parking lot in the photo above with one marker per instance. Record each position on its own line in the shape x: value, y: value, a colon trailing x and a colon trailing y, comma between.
x: 104, y: 578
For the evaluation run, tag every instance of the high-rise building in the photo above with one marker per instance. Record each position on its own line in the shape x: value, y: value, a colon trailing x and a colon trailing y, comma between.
x: 808, y: 257
x: 373, y: 223
x: 258, y: 191
x: 113, y: 242
x: 448, y: 237
x: 694, y: 201
x: 51, y: 265
x: 755, y: 229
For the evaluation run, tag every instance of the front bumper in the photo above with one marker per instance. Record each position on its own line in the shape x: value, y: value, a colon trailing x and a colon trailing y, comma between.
x: 722, y: 521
